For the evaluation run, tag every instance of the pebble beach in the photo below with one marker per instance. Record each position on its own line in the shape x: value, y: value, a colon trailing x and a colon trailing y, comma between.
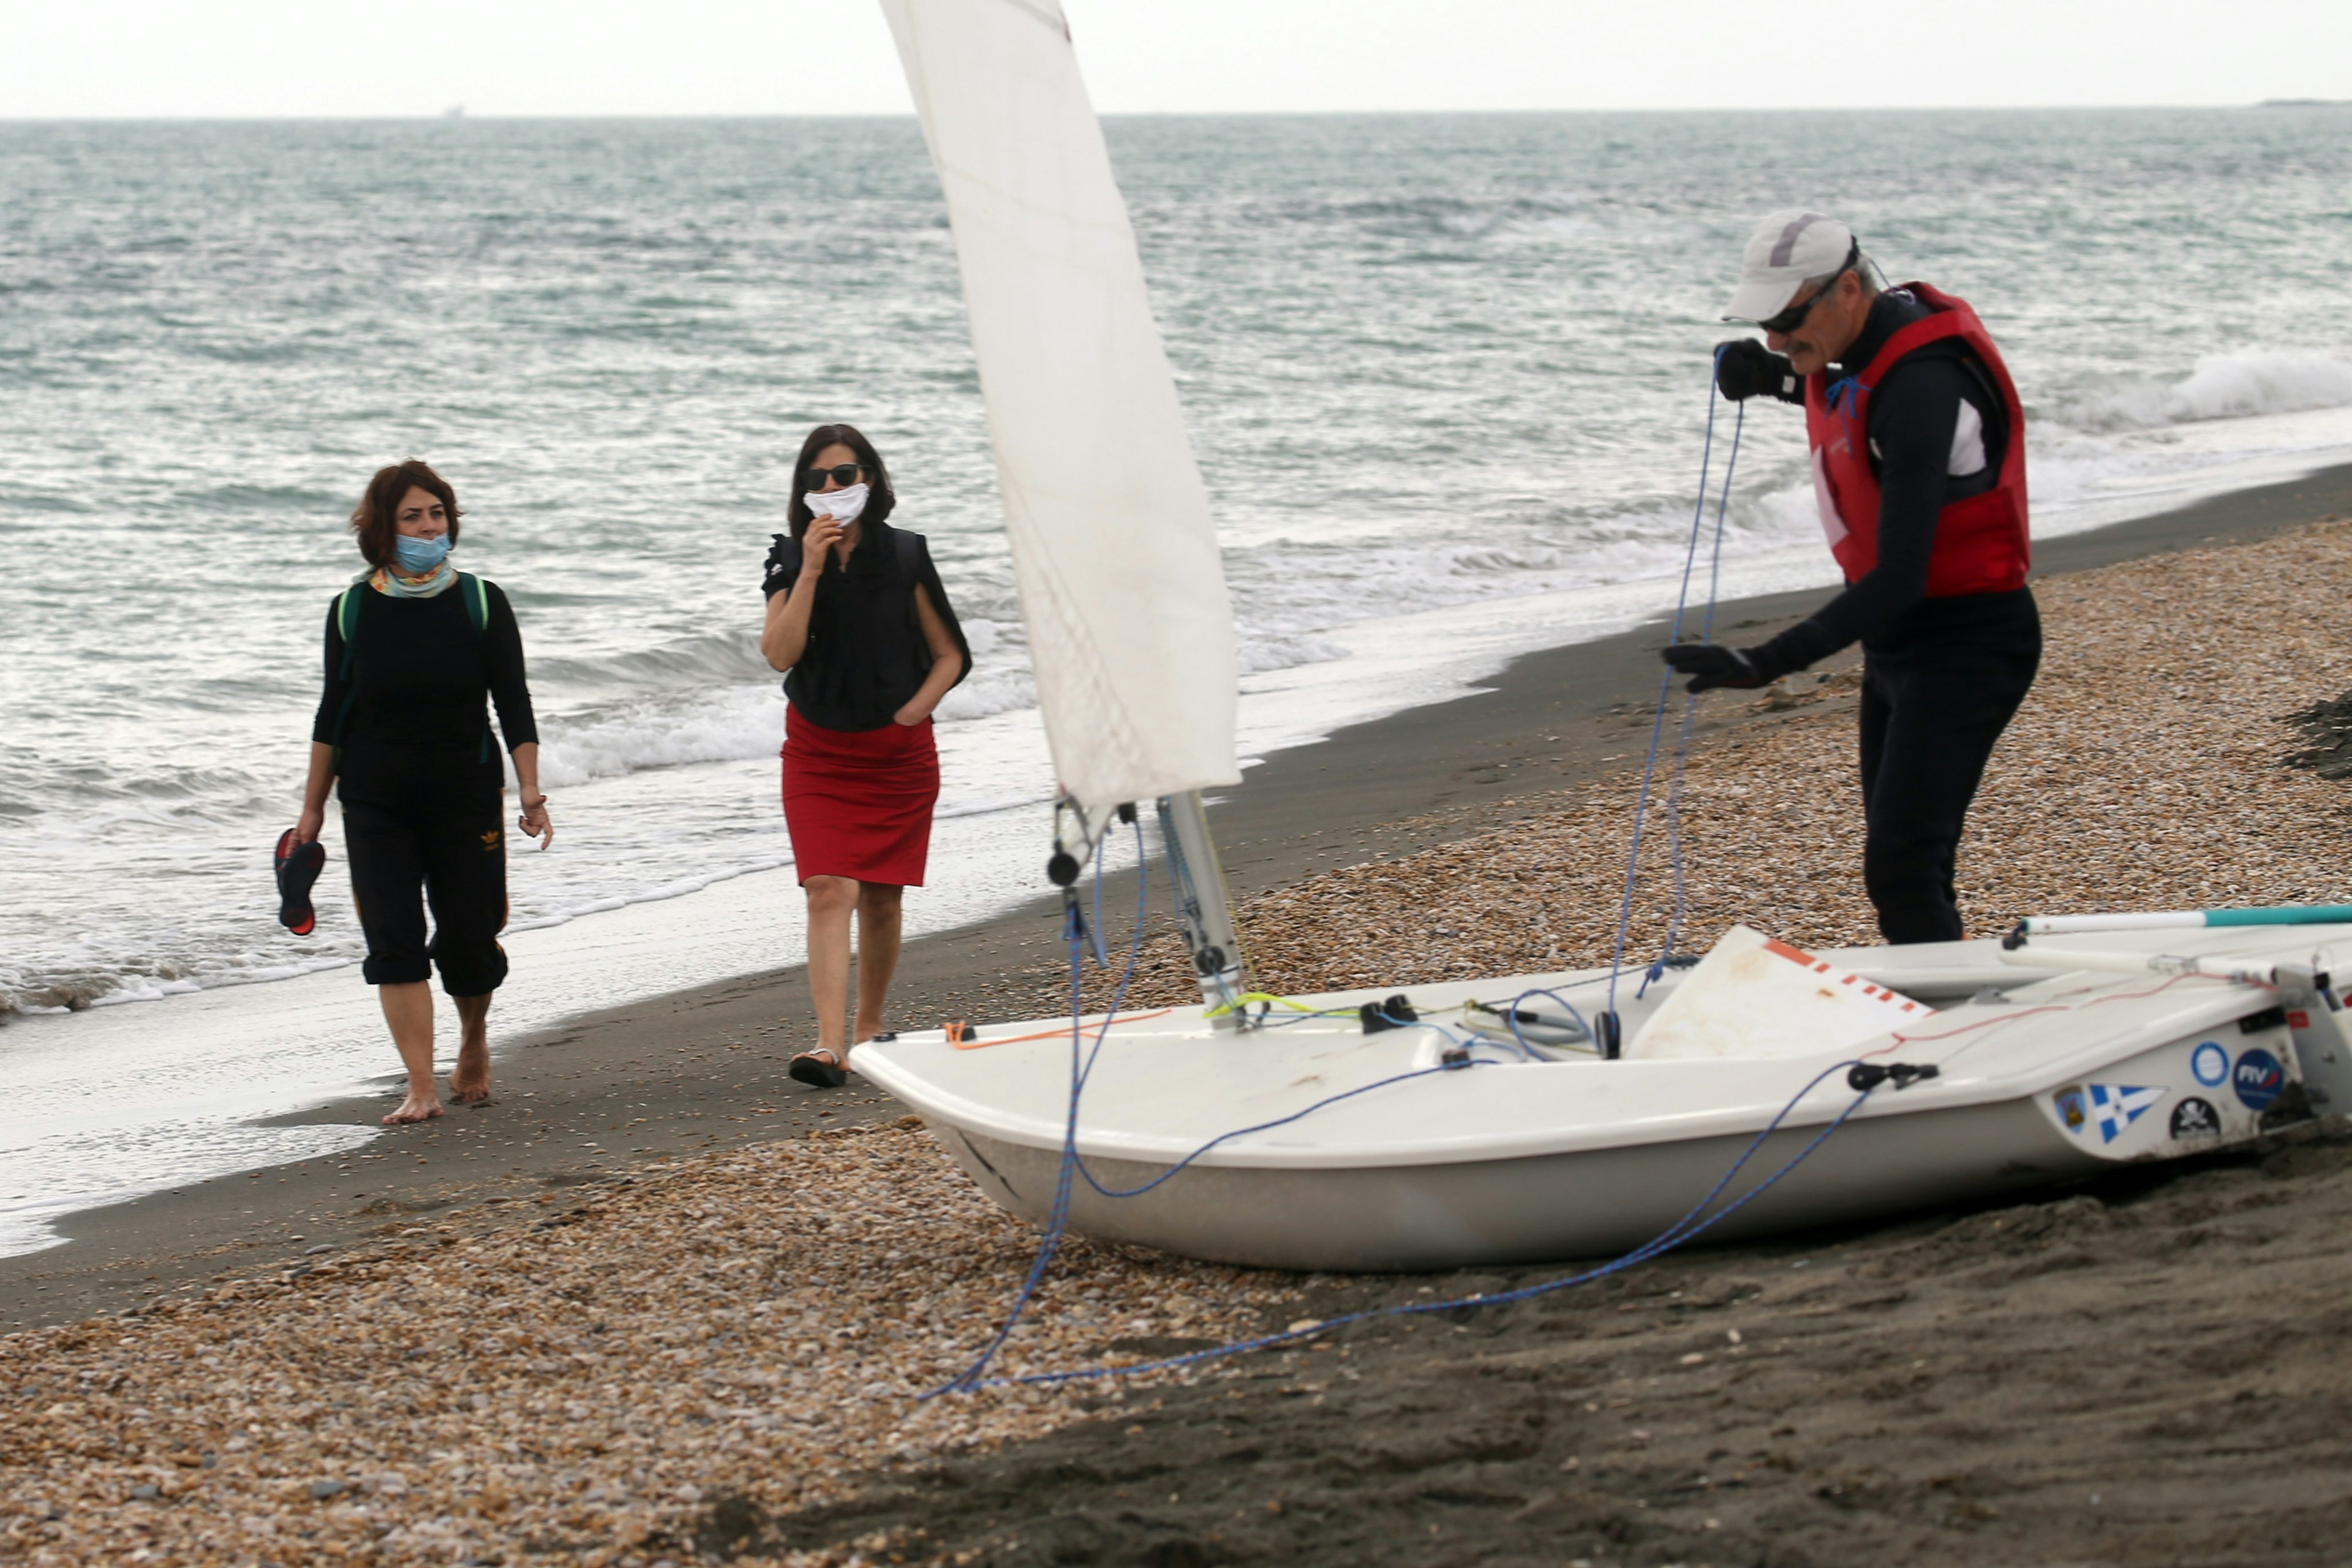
x: 717, y: 1355
x: 755, y: 1326
x: 2147, y: 770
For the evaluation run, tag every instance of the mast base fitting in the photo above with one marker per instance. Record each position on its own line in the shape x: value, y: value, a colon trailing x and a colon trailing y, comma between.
x: 1393, y: 1014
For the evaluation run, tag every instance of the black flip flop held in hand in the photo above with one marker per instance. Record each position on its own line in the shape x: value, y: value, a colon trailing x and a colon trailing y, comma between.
x: 818, y: 1069
x: 298, y: 868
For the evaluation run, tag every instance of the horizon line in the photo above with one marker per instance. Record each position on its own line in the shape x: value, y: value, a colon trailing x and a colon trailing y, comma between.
x: 459, y: 114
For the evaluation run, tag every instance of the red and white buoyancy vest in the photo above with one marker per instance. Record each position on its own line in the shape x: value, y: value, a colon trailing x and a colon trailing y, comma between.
x: 1980, y: 541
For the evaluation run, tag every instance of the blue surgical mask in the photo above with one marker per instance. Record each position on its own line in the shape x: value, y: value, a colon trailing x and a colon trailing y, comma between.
x: 418, y: 556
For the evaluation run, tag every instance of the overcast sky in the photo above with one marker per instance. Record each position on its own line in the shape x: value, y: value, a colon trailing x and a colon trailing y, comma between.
x: 75, y: 58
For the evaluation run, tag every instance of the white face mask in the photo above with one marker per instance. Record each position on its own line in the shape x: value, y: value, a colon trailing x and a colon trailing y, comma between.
x: 841, y: 505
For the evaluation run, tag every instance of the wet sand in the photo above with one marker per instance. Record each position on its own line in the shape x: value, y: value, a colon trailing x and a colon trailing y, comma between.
x: 2152, y: 1370
x: 1261, y: 1467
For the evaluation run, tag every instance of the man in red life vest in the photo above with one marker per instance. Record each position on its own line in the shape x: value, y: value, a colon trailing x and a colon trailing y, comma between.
x: 1918, y: 453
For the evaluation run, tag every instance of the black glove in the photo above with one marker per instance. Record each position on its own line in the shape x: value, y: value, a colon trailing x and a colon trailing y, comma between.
x: 1710, y: 665
x: 1745, y: 368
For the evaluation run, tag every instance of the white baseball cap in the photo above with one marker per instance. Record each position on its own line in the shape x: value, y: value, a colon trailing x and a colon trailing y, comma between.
x: 1786, y: 250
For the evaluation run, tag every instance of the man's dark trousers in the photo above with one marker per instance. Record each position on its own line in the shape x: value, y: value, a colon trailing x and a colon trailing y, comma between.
x: 1935, y: 698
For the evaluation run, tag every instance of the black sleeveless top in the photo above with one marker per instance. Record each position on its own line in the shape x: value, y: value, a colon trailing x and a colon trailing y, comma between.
x: 866, y: 653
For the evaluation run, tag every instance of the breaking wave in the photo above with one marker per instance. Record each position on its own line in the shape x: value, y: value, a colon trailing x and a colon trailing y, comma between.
x: 2223, y: 387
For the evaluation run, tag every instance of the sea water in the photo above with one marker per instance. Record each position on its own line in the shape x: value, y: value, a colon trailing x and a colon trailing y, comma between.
x: 1447, y: 382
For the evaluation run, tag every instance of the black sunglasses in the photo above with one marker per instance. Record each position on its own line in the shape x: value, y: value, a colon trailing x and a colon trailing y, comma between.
x: 842, y: 474
x: 1790, y: 320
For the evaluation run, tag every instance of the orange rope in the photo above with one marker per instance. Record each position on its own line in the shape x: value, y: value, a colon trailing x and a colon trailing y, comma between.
x: 963, y: 1044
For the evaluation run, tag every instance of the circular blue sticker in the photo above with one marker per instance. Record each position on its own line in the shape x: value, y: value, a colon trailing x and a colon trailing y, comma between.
x: 2259, y: 1080
x: 2211, y: 1063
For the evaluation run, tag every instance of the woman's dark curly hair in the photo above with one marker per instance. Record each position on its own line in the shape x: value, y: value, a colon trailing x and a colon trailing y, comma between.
x: 877, y: 478
x: 376, y: 520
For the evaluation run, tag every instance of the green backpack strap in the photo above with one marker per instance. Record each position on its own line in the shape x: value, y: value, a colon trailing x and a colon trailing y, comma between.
x: 347, y: 621
x: 477, y: 596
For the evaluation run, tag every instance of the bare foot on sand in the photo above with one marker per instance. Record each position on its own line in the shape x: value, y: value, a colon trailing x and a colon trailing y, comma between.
x: 418, y: 1106
x: 469, y: 1082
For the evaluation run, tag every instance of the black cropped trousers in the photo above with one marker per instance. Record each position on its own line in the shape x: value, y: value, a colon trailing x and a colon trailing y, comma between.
x: 445, y: 849
x: 1934, y: 702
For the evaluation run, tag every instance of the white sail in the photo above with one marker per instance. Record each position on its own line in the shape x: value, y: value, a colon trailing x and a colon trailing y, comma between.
x: 1131, y: 630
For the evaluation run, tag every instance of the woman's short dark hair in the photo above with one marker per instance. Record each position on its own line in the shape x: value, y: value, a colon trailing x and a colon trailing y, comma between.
x: 376, y: 520
x: 877, y: 478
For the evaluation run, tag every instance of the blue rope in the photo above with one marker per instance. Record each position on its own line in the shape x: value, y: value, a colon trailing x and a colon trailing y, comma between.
x: 1722, y: 511
x: 1517, y: 1042
x: 1451, y: 1038
x: 1842, y: 392
x: 1058, y: 1218
x: 1665, y: 692
x: 1690, y: 702
x: 1688, y: 1228
x: 1263, y: 1127
x: 1134, y: 947
x: 1095, y: 933
x: 1512, y: 1018
x: 1081, y: 1065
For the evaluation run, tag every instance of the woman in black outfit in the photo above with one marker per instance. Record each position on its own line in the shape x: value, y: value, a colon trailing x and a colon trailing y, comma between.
x: 858, y: 617
x: 413, y: 647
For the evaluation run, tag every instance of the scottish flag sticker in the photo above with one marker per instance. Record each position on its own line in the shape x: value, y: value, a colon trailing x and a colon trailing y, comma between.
x: 2115, y: 1107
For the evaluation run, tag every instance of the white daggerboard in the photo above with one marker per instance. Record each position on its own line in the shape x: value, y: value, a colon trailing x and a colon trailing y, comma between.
x: 1131, y: 628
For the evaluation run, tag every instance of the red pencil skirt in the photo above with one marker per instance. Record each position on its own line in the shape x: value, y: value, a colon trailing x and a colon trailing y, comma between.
x: 857, y: 803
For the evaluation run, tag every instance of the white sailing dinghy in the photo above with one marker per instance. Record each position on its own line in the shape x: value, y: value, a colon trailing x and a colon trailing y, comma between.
x: 1516, y: 1119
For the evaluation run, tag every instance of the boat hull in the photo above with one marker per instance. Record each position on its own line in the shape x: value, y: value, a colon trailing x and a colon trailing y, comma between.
x: 1314, y: 1144
x: 1541, y: 1208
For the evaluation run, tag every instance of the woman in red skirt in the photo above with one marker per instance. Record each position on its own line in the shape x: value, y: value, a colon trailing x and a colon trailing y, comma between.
x: 859, y: 622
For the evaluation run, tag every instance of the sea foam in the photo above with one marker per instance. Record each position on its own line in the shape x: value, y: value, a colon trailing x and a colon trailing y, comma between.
x: 2223, y: 387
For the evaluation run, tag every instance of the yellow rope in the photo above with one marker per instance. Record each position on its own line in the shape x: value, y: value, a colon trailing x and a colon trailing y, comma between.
x: 1266, y: 996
